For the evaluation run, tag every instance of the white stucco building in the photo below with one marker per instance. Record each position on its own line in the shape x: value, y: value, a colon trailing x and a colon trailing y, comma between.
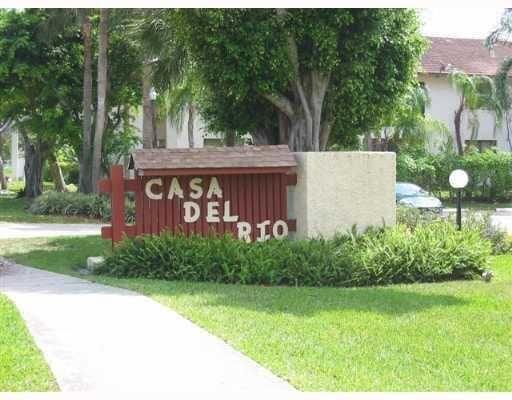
x: 174, y: 135
x: 473, y: 58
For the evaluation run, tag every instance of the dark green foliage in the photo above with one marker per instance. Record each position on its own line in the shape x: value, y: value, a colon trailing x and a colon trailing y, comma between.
x: 78, y: 204
x: 490, y: 173
x: 431, y: 252
x: 242, y: 57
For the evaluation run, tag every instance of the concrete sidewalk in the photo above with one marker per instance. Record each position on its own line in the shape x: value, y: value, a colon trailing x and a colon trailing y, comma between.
x: 9, y: 230
x: 101, y: 338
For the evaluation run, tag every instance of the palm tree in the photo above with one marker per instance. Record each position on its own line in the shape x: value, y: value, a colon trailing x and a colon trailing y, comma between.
x: 101, y: 109
x: 476, y: 92
x: 503, y: 90
x: 409, y: 126
x: 171, y: 69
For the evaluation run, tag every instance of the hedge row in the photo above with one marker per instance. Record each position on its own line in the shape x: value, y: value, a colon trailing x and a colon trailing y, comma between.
x: 78, y: 204
x: 428, y: 253
x: 490, y: 173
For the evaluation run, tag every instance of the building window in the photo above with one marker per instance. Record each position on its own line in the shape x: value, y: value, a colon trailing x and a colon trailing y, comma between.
x: 481, y: 145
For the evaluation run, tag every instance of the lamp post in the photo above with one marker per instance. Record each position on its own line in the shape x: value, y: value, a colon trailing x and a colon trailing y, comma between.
x: 459, y: 180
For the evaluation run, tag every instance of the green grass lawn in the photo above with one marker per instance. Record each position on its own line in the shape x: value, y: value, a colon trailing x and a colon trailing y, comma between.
x: 22, y: 366
x: 452, y: 336
x: 14, y: 210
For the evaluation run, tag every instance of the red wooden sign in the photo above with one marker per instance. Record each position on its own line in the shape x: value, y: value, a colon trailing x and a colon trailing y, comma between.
x: 243, y: 193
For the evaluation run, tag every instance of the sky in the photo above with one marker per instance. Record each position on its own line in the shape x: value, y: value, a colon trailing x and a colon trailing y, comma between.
x: 474, y: 23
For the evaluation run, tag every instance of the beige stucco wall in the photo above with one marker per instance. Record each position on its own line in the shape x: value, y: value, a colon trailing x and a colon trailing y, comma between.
x: 336, y: 190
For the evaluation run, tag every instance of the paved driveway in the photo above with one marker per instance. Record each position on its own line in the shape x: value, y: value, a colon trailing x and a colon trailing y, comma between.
x: 9, y: 230
x: 101, y: 338
x: 502, y: 221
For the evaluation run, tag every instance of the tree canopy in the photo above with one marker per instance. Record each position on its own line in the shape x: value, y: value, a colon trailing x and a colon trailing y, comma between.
x: 297, y: 75
x: 41, y: 84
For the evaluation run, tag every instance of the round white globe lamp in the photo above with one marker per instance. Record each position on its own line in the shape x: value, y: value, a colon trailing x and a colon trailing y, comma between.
x: 459, y: 180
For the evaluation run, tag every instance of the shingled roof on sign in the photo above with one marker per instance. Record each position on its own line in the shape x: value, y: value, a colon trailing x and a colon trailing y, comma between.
x: 247, y: 159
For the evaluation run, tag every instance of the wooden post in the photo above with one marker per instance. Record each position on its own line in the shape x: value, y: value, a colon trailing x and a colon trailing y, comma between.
x: 117, y: 202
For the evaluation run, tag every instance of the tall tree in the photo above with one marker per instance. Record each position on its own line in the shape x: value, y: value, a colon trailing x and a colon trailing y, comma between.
x: 101, y: 109
x: 172, y: 72
x: 61, y: 20
x: 318, y: 70
x: 85, y: 177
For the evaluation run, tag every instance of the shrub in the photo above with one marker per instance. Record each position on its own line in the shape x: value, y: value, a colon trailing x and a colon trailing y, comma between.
x: 490, y: 173
x: 501, y: 241
x: 18, y: 187
x: 431, y: 252
x: 78, y: 204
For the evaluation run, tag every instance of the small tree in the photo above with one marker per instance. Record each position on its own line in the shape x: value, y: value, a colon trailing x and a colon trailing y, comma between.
x: 408, y: 126
x: 39, y: 88
x: 476, y: 92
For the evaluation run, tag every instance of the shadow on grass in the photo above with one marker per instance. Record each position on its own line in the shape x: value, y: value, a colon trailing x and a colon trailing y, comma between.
x: 58, y: 254
x: 67, y: 255
x: 300, y: 301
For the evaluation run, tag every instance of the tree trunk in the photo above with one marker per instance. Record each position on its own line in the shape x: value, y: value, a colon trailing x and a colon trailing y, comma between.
x: 33, y: 169
x: 3, y: 182
x: 56, y: 171
x: 147, y: 108
x: 85, y: 178
x: 190, y: 127
x: 101, y: 109
x: 457, y: 123
x: 325, y: 132
x: 304, y: 111
x: 284, y: 127
x: 230, y: 138
x: 264, y: 136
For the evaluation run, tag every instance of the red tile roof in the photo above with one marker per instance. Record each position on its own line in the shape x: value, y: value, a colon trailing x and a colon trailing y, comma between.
x: 238, y: 157
x: 468, y: 55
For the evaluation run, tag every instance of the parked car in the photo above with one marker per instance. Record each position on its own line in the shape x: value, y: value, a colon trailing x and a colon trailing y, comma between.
x: 411, y: 195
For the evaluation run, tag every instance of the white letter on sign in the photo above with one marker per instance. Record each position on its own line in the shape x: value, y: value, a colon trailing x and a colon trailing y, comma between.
x: 212, y: 214
x: 244, y: 231
x: 189, y: 206
x: 227, y: 212
x: 149, y: 193
x: 195, y: 187
x: 263, y: 228
x: 214, y: 189
x: 284, y: 229
x: 175, y: 189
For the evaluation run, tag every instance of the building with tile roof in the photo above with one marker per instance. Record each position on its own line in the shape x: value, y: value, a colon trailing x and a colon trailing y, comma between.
x: 471, y: 56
